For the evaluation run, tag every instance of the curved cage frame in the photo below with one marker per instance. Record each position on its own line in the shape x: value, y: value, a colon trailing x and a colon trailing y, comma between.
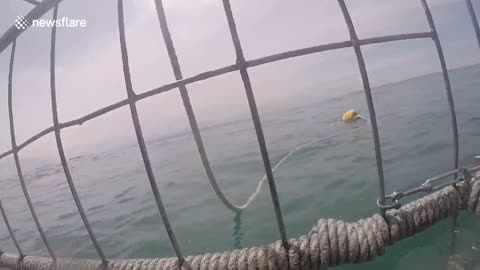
x: 8, y: 39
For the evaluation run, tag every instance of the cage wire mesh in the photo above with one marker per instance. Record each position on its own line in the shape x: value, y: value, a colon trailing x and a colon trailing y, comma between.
x: 8, y: 40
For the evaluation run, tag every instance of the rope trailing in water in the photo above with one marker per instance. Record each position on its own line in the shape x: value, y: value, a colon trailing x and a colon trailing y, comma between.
x: 252, y: 197
x: 330, y: 243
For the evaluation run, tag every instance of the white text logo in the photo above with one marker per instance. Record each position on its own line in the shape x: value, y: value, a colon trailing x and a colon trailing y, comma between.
x: 21, y: 23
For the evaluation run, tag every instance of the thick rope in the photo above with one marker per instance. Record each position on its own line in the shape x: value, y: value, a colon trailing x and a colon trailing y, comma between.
x: 329, y: 243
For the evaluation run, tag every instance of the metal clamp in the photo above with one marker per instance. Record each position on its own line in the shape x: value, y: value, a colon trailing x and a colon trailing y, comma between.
x: 395, y: 205
x: 428, y: 186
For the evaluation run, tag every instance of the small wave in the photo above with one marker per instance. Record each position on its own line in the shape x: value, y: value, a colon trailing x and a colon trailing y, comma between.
x: 66, y: 216
x: 431, y: 148
x: 474, y: 118
x: 420, y: 133
x: 335, y: 184
x: 344, y: 96
x: 335, y: 157
x: 123, y: 193
x: 125, y: 200
x: 361, y: 159
x: 75, y: 158
x: 94, y: 208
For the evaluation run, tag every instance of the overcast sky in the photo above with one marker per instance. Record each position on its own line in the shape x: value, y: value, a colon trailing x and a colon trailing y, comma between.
x: 89, y: 71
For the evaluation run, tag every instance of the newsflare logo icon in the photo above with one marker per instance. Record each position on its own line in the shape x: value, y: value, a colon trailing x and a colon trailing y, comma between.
x: 21, y: 23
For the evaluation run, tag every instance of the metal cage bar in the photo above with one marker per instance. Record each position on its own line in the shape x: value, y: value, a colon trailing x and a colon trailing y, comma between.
x: 17, y: 160
x: 138, y: 131
x: 217, y: 72
x: 371, y: 108
x: 9, y: 37
x: 446, y: 79
x: 474, y: 20
x: 242, y: 65
x: 33, y: 2
x: 451, y: 105
x: 10, y: 231
x: 189, y: 109
x: 60, y: 149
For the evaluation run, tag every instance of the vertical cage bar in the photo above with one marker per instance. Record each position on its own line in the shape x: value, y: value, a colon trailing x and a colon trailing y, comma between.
x: 476, y: 27
x: 451, y: 105
x: 10, y: 231
x: 371, y: 108
x: 446, y: 79
x: 17, y: 160
x: 188, y: 107
x: 256, y: 120
x: 138, y: 131
x: 60, y: 149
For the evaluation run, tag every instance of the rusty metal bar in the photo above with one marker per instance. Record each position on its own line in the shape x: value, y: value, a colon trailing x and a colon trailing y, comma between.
x: 60, y: 149
x: 17, y: 160
x: 241, y: 63
x: 371, y: 108
x: 139, y: 134
x: 10, y: 231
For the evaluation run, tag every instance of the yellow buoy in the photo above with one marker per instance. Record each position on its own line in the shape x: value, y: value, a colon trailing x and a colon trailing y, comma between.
x: 350, y: 116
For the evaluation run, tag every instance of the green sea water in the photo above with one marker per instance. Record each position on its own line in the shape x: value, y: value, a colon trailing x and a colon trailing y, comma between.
x: 332, y: 178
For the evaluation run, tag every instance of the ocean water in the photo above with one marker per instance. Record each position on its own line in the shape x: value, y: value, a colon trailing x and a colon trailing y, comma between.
x: 332, y: 178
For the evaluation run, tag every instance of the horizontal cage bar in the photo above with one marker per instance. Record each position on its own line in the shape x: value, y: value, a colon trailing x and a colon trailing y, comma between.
x: 218, y: 72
